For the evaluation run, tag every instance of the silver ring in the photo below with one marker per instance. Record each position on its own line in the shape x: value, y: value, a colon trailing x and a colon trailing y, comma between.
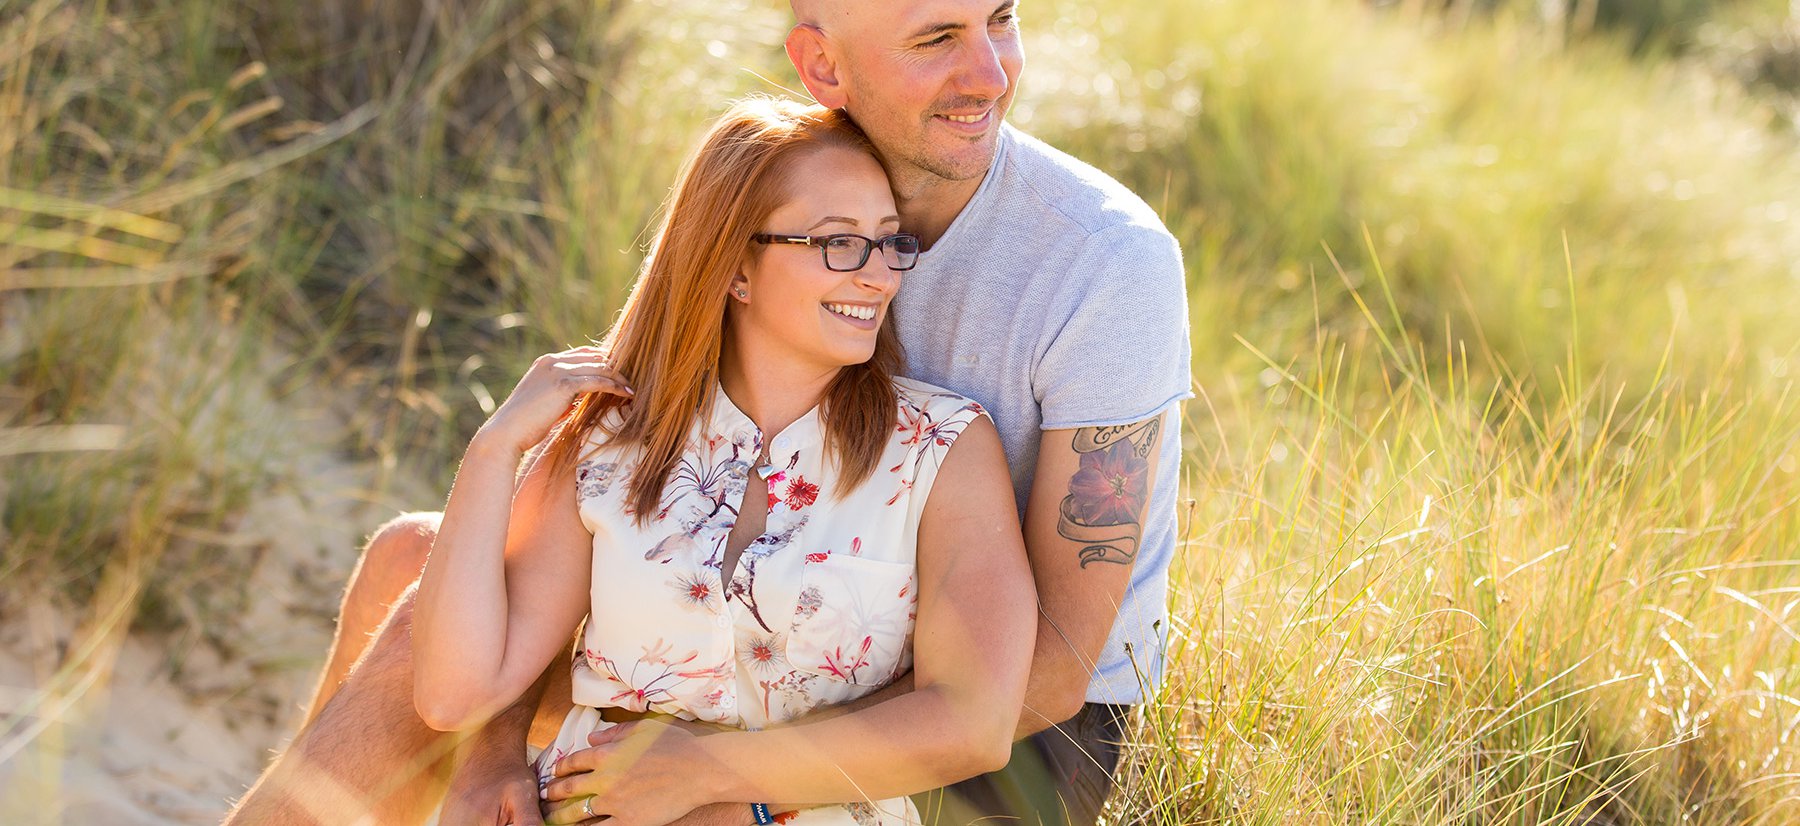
x: 587, y: 806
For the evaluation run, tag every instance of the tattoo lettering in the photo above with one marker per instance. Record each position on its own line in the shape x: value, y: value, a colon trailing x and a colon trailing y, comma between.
x: 1107, y: 493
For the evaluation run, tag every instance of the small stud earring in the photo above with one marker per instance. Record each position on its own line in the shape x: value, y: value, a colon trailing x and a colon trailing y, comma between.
x: 742, y: 294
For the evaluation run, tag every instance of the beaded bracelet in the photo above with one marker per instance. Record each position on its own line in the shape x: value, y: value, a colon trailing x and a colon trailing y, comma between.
x: 761, y: 812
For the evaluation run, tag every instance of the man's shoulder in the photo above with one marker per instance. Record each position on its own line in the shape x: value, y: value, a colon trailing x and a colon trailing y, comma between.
x: 1090, y: 200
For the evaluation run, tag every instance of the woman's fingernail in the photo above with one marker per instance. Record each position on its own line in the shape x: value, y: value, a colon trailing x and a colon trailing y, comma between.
x: 543, y: 792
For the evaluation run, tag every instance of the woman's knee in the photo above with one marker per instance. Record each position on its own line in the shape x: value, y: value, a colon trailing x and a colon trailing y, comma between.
x: 396, y: 552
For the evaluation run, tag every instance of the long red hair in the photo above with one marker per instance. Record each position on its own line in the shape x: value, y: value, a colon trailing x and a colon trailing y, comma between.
x: 667, y: 339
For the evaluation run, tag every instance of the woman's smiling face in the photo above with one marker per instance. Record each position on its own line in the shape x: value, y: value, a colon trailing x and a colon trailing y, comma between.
x: 792, y: 303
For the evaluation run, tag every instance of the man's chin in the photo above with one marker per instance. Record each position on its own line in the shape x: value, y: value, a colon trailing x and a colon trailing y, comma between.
x: 969, y: 161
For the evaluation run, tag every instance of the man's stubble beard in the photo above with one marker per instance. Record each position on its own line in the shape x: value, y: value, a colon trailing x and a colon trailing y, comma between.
x: 924, y: 171
x: 920, y: 172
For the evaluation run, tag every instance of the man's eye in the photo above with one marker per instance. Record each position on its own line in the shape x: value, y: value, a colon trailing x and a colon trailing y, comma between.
x: 936, y: 41
x: 1005, y: 20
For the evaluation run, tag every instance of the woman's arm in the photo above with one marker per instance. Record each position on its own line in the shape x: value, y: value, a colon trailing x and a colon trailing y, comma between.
x: 507, y: 579
x: 971, y: 651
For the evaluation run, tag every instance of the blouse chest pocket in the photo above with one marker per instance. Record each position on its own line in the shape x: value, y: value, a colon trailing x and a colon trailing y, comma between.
x: 853, y: 619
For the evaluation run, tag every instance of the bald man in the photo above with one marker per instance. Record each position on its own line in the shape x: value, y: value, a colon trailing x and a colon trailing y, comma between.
x: 1047, y: 291
x: 1055, y: 297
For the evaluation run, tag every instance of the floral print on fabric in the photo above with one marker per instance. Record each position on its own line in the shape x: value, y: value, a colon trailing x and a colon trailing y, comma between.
x: 656, y: 676
x: 595, y: 478
x: 924, y: 435
x: 819, y: 609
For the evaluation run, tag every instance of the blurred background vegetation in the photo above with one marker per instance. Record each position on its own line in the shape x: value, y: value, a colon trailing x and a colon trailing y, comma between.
x: 1492, y: 477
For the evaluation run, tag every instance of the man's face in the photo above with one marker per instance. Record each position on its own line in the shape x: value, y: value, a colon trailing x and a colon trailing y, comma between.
x: 930, y: 81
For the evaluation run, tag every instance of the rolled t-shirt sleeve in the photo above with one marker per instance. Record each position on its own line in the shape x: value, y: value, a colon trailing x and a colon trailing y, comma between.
x: 1123, y: 353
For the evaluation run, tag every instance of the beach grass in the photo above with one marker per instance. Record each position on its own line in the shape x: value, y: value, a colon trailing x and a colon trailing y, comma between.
x: 1489, y: 497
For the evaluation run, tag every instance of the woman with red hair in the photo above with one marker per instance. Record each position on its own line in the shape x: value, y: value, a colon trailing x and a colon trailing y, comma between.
x: 758, y: 518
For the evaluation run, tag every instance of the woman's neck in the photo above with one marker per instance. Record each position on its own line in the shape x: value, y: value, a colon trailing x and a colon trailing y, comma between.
x: 771, y: 390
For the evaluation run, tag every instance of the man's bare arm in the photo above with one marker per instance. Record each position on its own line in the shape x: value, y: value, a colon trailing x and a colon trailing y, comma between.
x: 1083, y: 523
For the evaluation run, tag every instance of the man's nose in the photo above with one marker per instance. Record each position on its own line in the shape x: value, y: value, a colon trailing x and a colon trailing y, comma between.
x: 982, y: 75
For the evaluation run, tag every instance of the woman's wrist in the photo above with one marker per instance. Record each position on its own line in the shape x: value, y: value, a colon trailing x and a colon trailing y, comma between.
x: 492, y: 443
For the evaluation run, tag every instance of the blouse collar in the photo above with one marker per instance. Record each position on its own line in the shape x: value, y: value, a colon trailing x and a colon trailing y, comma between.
x: 727, y: 420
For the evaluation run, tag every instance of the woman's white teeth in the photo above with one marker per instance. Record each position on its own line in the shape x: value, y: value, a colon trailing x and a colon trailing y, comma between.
x: 852, y: 311
x: 966, y: 118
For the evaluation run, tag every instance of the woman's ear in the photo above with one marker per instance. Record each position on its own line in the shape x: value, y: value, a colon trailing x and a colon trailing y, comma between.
x: 810, y: 50
x: 740, y: 288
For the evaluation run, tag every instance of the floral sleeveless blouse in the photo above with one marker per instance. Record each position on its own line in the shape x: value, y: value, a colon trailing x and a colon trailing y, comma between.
x: 819, y: 610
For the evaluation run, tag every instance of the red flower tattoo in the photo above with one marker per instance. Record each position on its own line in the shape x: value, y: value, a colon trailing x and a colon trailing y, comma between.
x: 1110, y: 487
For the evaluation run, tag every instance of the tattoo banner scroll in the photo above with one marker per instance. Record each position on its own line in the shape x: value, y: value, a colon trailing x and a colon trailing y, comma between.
x: 1108, y: 493
x: 1100, y: 543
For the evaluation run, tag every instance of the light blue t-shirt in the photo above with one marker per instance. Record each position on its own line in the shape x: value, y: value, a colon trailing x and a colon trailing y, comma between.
x: 1057, y: 300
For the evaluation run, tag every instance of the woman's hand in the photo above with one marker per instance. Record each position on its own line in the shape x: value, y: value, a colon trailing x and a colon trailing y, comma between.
x: 545, y: 393
x: 643, y: 772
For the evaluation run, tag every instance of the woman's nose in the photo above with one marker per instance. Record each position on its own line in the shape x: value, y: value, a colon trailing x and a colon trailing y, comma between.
x: 876, y: 275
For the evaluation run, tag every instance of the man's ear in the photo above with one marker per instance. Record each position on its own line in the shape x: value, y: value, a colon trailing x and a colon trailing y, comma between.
x: 810, y: 51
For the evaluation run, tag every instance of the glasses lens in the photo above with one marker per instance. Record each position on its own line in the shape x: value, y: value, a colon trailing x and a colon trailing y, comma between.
x: 901, y: 251
x: 846, y: 253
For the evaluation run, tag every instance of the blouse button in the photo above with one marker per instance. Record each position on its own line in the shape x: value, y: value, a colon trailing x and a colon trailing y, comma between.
x: 722, y: 621
x: 727, y: 701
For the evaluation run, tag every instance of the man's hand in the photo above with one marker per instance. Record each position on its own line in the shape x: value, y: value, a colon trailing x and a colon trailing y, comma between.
x: 492, y: 787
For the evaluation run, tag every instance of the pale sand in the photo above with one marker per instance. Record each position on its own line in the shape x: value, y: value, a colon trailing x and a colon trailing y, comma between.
x: 178, y: 730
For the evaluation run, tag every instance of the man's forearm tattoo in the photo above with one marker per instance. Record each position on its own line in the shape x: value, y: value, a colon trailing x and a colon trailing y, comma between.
x: 1107, y: 494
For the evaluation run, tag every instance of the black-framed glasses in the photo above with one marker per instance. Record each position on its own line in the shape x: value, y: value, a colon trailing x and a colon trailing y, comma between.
x: 848, y: 252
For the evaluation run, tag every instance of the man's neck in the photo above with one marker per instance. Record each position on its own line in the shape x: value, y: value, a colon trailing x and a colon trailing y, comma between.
x: 929, y: 204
